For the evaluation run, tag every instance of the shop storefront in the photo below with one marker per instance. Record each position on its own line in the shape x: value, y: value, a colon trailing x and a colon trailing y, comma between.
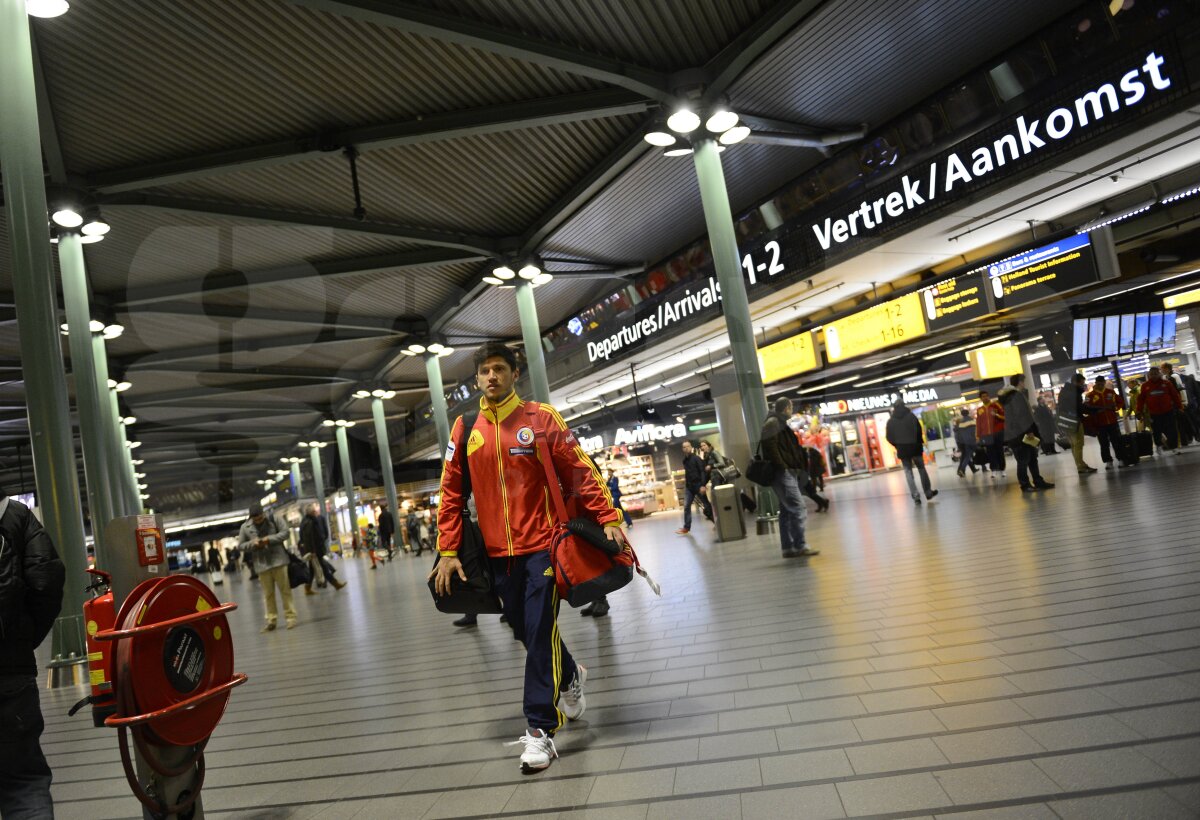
x: 851, y: 431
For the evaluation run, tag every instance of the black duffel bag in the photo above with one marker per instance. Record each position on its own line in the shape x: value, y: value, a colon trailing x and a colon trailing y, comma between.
x: 477, y: 594
x: 298, y: 571
x: 761, y: 471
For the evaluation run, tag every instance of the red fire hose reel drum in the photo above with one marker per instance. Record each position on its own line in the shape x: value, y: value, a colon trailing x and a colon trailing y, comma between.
x: 173, y: 669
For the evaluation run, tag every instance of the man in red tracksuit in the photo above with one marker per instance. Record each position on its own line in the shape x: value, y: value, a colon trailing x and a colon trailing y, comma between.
x: 1105, y: 402
x: 1162, y: 400
x: 989, y: 427
x: 517, y: 520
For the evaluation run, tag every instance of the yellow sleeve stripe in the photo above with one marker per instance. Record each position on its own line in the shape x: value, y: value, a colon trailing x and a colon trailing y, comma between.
x: 455, y: 431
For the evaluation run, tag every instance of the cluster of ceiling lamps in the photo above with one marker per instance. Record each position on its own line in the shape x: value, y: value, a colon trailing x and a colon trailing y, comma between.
x: 414, y: 349
x: 316, y: 444
x: 90, y: 223
x: 377, y: 393
x: 120, y: 387
x: 96, y: 326
x: 503, y: 276
x: 721, y: 123
x: 46, y: 8
x: 338, y: 423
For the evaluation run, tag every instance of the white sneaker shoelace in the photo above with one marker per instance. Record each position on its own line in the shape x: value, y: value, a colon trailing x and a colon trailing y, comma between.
x: 534, y: 742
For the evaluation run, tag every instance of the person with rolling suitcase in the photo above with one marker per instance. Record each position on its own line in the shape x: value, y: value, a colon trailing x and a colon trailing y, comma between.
x: 1161, y: 400
x: 1104, y: 403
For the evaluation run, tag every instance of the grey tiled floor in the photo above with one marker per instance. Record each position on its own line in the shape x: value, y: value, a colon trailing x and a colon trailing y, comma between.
x: 989, y: 654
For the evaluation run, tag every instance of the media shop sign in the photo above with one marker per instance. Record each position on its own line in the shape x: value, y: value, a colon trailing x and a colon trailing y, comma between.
x: 875, y: 402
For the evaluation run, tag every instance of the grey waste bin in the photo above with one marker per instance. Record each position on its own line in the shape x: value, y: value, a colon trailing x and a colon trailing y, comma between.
x: 727, y: 510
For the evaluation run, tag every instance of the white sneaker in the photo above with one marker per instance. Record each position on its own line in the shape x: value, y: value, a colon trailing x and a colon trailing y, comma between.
x: 539, y: 750
x: 572, y: 701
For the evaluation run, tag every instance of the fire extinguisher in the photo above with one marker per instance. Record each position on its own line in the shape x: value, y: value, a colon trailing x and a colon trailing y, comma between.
x: 99, y: 614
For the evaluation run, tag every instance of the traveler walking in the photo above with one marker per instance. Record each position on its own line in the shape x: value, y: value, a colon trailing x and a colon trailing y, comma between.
x: 214, y: 560
x: 387, y: 529
x: 1043, y: 416
x: 964, y: 439
x: 235, y: 557
x: 694, y: 477
x: 781, y: 448
x: 1159, y: 398
x: 816, y: 478
x: 614, y: 490
x: 508, y: 438
x: 905, y: 433
x: 412, y: 527
x: 1182, y: 419
x: 314, y: 545
x: 1071, y: 410
x: 371, y: 539
x: 31, y: 590
x: 1021, y: 435
x: 263, y: 535
x: 989, y: 429
x: 1104, y: 403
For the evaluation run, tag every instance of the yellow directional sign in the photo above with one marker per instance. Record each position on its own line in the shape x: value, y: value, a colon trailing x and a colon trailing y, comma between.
x: 1188, y: 297
x: 891, y: 323
x: 787, y: 358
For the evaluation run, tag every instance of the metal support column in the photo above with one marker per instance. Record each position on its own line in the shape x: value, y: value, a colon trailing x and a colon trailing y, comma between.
x: 114, y: 447
x: 41, y: 352
x: 385, y: 461
x: 531, y: 332
x: 314, y: 455
x: 734, y: 303
x: 343, y: 444
x: 125, y: 457
x: 437, y: 400
x: 297, y: 487
x: 88, y: 395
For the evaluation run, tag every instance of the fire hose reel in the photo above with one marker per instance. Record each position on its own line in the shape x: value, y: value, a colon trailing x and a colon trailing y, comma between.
x: 171, y: 677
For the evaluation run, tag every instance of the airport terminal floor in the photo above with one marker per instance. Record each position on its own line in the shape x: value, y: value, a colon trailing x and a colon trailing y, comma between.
x: 990, y: 654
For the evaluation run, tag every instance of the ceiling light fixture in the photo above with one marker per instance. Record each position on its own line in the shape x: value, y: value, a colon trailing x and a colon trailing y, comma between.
x: 364, y: 394
x: 46, y: 9
x: 128, y: 420
x: 826, y: 386
x: 91, y: 239
x: 113, y: 331
x: 683, y: 121
x: 445, y: 351
x: 1110, y: 219
x: 492, y: 280
x: 529, y: 272
x: 436, y: 347
x: 677, y: 152
x: 67, y: 218
x: 416, y: 348
x: 721, y: 121
x: 660, y: 138
x: 972, y: 346
x: 96, y: 326
x: 542, y: 278
x: 1182, y: 193
x: 504, y: 272
x: 734, y: 135
x: 889, y: 377
x: 121, y: 387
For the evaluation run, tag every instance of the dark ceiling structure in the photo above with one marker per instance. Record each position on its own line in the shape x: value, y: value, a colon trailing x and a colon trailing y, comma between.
x: 219, y: 139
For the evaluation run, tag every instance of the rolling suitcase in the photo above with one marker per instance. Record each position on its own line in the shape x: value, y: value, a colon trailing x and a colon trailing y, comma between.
x: 727, y: 510
x: 1127, y: 451
x: 1145, y: 444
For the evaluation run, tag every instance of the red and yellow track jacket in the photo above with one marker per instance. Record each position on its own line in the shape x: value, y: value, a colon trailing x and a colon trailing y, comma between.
x: 508, y: 481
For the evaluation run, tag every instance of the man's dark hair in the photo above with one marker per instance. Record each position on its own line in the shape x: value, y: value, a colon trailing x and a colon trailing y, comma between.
x: 782, y: 404
x: 489, y: 350
x: 1016, y: 379
x: 1078, y: 378
x: 1100, y: 379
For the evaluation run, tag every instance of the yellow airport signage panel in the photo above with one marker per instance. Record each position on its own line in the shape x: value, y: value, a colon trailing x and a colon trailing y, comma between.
x: 797, y: 354
x: 1188, y: 297
x: 995, y: 362
x: 891, y: 323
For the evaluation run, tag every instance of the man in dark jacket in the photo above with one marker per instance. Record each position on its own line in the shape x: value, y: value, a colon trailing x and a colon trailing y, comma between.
x: 1019, y: 423
x: 1071, y: 410
x: 781, y: 447
x: 31, y: 592
x: 387, y: 528
x: 694, y: 478
x: 314, y: 545
x: 904, y: 432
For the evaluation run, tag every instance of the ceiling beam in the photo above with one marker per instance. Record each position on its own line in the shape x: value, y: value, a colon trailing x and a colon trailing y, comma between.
x: 754, y: 41
x: 156, y: 361
x: 48, y: 130
x: 438, y: 25
x: 475, y: 246
x: 329, y: 319
x: 586, y: 105
x: 192, y: 393
x: 270, y: 371
x: 624, y: 155
x: 231, y: 417
x: 327, y: 271
x: 215, y: 412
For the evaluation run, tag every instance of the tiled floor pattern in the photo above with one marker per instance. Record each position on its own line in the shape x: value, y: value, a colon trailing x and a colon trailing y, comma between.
x: 990, y: 654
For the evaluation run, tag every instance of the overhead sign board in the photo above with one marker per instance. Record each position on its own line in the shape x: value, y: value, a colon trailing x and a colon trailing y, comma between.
x: 797, y: 354
x: 1188, y: 297
x: 955, y: 300
x: 995, y: 361
x: 1041, y: 273
x: 892, y: 322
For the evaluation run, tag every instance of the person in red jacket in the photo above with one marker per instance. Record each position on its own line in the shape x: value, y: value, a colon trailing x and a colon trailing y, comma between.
x: 508, y: 482
x: 1105, y: 402
x: 1161, y: 400
x: 989, y: 428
